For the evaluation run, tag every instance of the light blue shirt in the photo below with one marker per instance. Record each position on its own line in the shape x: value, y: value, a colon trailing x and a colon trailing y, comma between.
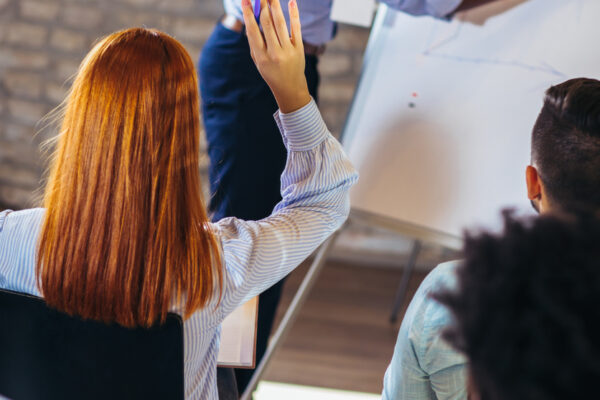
x: 424, y: 366
x: 256, y: 254
x: 318, y: 28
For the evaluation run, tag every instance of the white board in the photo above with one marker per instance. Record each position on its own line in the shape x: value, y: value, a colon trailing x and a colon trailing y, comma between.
x: 441, y: 121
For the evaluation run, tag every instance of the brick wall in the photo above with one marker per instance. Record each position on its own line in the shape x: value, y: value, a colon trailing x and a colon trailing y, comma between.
x: 43, y: 41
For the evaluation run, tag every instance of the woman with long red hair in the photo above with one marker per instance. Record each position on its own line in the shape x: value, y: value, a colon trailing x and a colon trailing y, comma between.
x: 124, y: 236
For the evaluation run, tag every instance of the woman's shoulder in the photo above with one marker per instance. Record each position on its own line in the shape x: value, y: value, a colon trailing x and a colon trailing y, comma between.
x: 18, y: 242
x: 29, y: 218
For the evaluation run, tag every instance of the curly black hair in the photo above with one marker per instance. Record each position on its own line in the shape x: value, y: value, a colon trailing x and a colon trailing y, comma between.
x: 527, y: 309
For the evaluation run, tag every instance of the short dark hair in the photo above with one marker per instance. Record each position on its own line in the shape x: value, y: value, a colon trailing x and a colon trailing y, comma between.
x: 566, y: 143
x: 527, y: 309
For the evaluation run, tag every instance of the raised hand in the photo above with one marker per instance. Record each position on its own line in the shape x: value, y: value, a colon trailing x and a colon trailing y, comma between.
x: 278, y: 57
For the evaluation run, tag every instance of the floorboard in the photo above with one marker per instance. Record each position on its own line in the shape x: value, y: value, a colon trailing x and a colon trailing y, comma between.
x: 342, y: 338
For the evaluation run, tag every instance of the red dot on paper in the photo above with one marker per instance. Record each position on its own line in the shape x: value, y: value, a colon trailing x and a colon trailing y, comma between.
x: 415, y: 94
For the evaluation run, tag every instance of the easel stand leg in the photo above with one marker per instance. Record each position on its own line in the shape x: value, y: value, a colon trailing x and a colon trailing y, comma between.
x: 401, y: 293
x: 291, y: 313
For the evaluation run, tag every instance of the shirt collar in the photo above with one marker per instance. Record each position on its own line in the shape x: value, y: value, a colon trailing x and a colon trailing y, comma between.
x: 3, y: 216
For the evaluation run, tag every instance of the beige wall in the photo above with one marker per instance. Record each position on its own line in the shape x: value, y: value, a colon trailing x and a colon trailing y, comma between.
x: 43, y: 41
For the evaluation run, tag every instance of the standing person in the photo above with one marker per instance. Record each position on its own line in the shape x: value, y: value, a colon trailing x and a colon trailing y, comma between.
x: 244, y: 145
x: 565, y: 157
x: 124, y: 236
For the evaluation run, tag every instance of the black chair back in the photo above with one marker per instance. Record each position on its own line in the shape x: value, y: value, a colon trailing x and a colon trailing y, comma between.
x: 46, y: 354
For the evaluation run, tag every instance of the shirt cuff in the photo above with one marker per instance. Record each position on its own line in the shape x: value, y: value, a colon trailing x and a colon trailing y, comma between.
x: 303, y: 129
x: 442, y: 8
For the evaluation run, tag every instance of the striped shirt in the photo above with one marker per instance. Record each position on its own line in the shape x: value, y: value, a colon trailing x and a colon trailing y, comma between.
x: 314, y: 188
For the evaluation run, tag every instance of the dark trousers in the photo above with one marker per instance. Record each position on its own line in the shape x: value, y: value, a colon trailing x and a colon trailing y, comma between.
x: 247, y: 155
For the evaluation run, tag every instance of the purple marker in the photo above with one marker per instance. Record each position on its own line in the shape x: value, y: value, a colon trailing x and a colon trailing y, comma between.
x: 256, y: 9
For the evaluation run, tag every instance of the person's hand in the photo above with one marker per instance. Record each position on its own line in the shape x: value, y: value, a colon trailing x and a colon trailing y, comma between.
x: 278, y: 57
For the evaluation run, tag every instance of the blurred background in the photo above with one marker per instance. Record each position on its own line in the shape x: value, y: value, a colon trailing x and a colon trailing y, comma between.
x: 42, y: 43
x: 343, y: 338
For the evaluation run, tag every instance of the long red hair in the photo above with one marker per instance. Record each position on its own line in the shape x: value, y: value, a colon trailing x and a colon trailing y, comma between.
x: 126, y: 232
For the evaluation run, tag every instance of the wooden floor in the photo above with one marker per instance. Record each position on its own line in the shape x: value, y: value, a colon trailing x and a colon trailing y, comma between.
x: 342, y: 338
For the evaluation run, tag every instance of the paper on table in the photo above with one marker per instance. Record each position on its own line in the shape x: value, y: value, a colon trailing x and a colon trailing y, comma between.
x: 238, y: 337
x: 354, y: 12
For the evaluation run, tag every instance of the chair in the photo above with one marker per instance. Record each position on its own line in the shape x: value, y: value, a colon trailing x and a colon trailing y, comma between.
x: 46, y: 354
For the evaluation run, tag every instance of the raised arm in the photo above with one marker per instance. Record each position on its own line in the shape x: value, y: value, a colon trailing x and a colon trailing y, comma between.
x: 314, y: 183
x: 435, y: 8
x: 468, y: 4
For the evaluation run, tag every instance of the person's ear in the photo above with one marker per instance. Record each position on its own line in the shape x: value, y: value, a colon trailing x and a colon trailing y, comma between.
x: 534, y: 183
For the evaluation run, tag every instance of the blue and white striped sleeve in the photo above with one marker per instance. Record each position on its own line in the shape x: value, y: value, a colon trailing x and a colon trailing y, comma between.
x: 434, y: 8
x: 315, y: 202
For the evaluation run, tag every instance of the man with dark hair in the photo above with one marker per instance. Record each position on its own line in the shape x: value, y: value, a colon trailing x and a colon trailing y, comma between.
x: 565, y: 146
x: 564, y: 174
x: 526, y: 309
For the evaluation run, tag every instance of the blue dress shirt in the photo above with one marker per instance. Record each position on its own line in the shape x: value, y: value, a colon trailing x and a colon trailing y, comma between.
x: 256, y: 254
x: 424, y: 366
x: 318, y: 28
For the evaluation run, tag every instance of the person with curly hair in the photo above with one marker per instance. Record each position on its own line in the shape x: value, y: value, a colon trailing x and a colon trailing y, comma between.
x: 525, y: 312
x: 563, y: 175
